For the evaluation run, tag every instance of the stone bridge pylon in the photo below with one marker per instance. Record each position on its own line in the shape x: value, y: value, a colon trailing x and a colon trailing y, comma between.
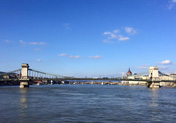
x: 24, y: 80
x: 154, y: 78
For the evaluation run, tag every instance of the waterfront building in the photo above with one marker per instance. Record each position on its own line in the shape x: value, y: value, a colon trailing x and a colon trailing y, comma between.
x: 153, y: 74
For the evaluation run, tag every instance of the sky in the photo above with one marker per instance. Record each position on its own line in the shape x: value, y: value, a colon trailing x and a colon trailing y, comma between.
x: 93, y: 38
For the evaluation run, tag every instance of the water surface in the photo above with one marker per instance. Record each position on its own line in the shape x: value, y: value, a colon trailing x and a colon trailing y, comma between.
x: 87, y: 103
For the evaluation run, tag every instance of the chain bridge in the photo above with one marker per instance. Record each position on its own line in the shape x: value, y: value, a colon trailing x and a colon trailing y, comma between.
x: 25, y: 76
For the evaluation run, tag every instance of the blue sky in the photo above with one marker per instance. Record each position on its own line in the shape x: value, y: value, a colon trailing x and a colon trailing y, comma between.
x: 88, y: 37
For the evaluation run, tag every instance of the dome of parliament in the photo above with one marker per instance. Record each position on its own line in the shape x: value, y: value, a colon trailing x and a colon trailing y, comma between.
x: 129, y: 73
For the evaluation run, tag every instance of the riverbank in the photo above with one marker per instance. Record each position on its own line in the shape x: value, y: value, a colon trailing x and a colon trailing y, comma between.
x: 125, y: 83
x: 143, y: 83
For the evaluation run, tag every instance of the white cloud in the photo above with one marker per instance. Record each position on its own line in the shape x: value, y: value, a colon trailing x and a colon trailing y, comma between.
x: 111, y: 33
x: 162, y: 67
x: 107, y: 33
x: 112, y: 36
x: 7, y: 41
x: 121, y: 38
x: 70, y: 56
x: 75, y: 57
x: 116, y: 35
x: 36, y: 43
x: 36, y: 49
x: 171, y: 4
x: 22, y: 42
x: 143, y: 67
x: 38, y: 60
x: 63, y: 54
x: 108, y: 42
x: 31, y: 43
x: 116, y: 31
x: 166, y: 62
x: 78, y: 56
x: 67, y: 26
x: 130, y: 30
x: 95, y: 57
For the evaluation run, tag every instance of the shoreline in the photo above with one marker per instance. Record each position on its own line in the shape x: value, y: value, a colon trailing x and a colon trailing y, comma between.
x: 123, y: 83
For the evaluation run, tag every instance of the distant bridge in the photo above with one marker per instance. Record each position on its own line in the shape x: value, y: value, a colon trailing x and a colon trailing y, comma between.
x: 26, y: 75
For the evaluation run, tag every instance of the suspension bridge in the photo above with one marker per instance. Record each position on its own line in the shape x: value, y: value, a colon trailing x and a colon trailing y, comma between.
x: 25, y: 76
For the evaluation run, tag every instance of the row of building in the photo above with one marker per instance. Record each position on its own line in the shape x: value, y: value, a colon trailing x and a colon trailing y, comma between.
x: 153, y: 74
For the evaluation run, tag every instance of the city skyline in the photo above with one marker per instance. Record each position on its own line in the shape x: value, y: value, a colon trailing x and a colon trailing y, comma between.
x: 88, y: 37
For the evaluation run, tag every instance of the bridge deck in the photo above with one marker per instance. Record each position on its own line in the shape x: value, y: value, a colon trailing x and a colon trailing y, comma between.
x: 93, y: 79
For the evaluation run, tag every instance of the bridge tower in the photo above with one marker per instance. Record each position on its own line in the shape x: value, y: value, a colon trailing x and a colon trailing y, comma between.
x: 154, y: 77
x: 24, y: 80
x: 153, y: 72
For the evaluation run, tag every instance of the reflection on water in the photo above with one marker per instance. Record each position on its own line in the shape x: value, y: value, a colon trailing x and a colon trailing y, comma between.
x: 154, y: 93
x: 23, y: 101
x: 154, y: 104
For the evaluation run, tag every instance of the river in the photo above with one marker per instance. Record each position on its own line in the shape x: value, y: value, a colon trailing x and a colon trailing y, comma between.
x: 87, y: 104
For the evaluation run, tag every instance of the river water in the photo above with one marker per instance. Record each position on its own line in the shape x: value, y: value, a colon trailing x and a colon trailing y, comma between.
x: 87, y: 103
